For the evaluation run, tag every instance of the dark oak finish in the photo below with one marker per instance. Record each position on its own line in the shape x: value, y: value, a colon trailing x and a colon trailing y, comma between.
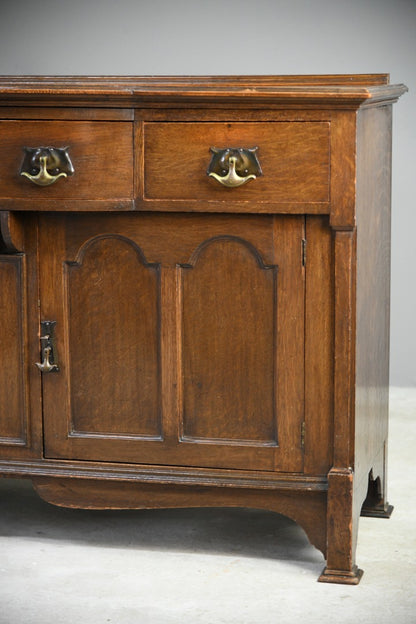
x: 310, y: 515
x: 101, y: 153
x: 373, y: 317
x: 108, y: 282
x: 319, y: 347
x: 217, y: 346
x: 294, y: 158
x: 13, y: 407
x: 20, y: 383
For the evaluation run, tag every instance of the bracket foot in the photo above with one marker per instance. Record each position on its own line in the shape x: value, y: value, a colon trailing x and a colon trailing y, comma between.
x: 378, y: 511
x: 340, y: 576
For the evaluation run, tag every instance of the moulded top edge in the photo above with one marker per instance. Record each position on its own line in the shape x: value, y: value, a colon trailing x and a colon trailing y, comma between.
x: 350, y: 88
x: 312, y: 79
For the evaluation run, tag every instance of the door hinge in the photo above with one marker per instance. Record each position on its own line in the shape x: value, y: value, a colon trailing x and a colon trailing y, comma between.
x: 302, y: 435
x: 303, y: 251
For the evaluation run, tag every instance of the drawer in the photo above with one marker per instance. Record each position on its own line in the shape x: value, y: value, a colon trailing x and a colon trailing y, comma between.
x: 101, y: 154
x: 293, y: 156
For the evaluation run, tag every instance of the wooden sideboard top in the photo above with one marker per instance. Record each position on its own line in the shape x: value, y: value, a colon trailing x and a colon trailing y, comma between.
x: 345, y: 90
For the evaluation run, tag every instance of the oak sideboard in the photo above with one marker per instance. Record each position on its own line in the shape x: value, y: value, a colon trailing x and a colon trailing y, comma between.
x: 194, y: 279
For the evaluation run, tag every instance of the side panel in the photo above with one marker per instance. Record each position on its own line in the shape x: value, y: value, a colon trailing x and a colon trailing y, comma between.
x: 13, y: 381
x: 20, y: 391
x: 373, y: 288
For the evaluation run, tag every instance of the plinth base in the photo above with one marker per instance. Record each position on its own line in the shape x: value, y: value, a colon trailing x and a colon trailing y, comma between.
x: 338, y: 576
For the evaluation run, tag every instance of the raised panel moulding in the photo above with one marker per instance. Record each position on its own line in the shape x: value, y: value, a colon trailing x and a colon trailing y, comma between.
x: 226, y: 372
x: 108, y: 288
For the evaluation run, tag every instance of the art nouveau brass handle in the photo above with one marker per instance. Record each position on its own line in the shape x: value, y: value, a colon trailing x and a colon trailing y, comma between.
x: 233, y: 167
x: 45, y: 165
x: 43, y: 178
x: 46, y: 366
x: 49, y: 362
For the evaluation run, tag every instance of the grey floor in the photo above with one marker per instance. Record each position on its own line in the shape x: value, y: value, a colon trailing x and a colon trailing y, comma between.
x: 60, y: 566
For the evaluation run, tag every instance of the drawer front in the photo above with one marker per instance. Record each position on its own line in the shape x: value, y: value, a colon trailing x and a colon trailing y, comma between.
x: 293, y: 157
x: 101, y: 154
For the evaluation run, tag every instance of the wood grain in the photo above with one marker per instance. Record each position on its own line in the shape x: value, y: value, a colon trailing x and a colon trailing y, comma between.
x: 20, y: 391
x: 345, y: 91
x: 229, y: 300
x: 114, y: 319
x: 222, y: 389
x: 294, y: 158
x: 373, y: 296
x: 310, y: 514
x: 343, y: 162
x: 101, y: 153
x: 319, y: 347
x: 11, y: 232
x: 344, y: 348
x: 13, y: 378
x: 204, y: 359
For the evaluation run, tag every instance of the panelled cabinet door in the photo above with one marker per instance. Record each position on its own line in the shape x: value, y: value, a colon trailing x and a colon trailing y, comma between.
x: 178, y: 339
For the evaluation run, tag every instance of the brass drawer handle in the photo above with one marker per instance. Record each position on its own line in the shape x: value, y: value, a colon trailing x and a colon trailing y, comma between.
x: 234, y: 167
x: 45, y: 165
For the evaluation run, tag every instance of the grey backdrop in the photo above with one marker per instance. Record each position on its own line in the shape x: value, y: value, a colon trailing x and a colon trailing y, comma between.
x: 243, y: 37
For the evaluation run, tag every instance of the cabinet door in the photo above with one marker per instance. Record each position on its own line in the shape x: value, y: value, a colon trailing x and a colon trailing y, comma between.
x: 179, y: 339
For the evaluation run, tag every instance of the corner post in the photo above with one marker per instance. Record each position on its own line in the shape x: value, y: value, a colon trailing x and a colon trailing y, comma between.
x: 342, y: 512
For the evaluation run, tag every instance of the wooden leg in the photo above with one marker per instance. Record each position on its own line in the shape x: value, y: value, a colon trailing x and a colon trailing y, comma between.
x: 342, y: 526
x: 375, y: 505
x: 382, y: 510
x: 335, y: 576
